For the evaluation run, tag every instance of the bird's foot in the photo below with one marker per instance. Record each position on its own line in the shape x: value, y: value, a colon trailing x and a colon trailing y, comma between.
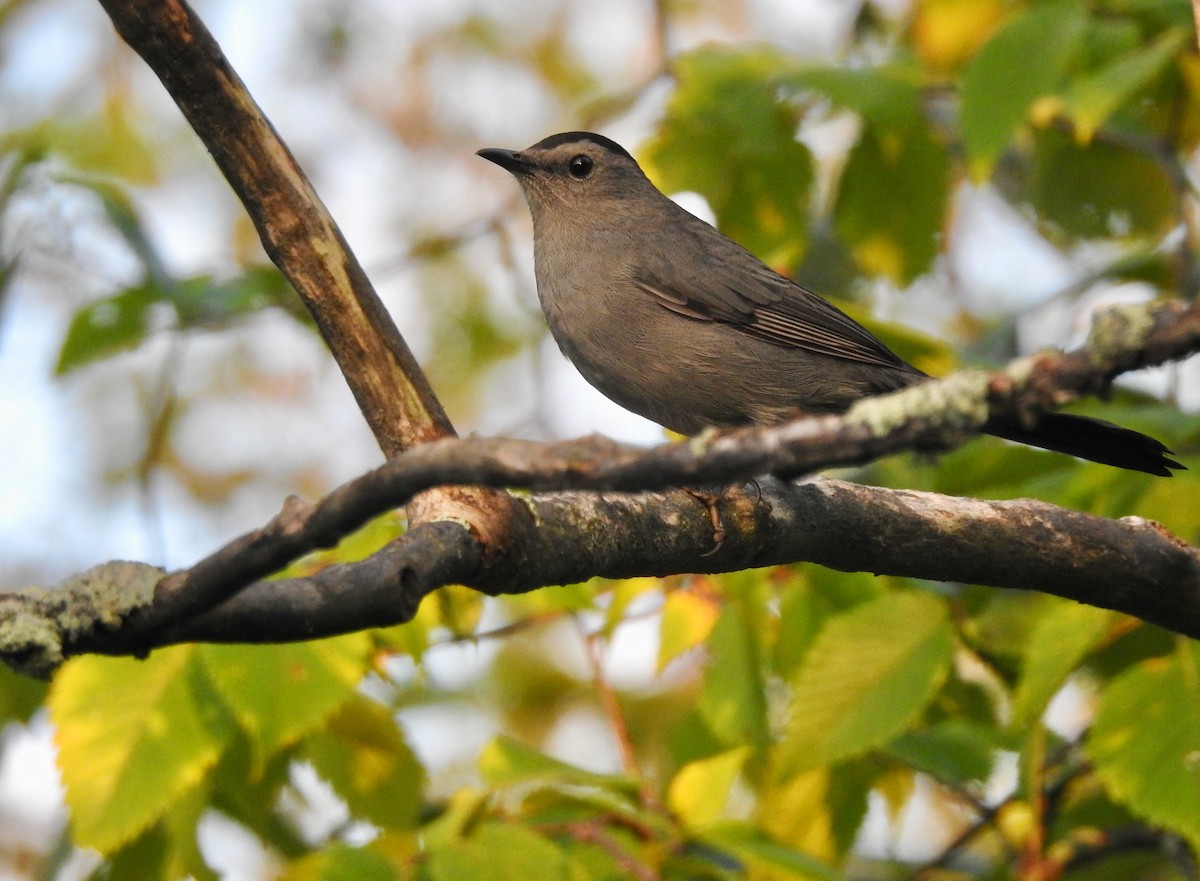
x: 711, y: 501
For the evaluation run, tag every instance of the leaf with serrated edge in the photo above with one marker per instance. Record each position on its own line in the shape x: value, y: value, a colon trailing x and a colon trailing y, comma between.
x: 1061, y: 636
x: 279, y: 693
x: 1145, y: 741
x: 869, y: 672
x: 363, y: 755
x: 132, y: 737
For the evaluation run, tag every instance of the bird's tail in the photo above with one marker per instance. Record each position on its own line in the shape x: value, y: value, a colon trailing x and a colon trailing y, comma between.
x: 1092, y: 439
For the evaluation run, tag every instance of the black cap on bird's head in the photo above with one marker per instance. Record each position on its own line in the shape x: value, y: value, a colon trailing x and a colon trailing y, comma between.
x: 570, y: 163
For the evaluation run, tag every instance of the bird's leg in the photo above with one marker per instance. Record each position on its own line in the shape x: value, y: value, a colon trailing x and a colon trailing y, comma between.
x: 711, y: 501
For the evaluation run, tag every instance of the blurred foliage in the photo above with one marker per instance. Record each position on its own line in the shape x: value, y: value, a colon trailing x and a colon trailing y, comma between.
x: 758, y: 181
x: 797, y: 719
x: 124, y: 320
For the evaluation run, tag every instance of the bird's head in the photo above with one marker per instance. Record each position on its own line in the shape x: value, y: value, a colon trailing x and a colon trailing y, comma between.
x: 577, y: 174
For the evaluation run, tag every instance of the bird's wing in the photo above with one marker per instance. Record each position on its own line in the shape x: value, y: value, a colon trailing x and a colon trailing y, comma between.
x: 731, y: 286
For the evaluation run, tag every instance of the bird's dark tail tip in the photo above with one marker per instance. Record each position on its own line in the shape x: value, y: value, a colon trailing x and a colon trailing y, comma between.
x: 1092, y: 439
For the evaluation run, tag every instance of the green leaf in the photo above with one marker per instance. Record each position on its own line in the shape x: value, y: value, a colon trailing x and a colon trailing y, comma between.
x: 1091, y: 100
x: 810, y: 596
x: 1003, y: 624
x: 732, y: 700
x: 106, y: 143
x: 623, y: 593
x: 689, y: 739
x: 363, y: 755
x: 891, y: 201
x: 147, y: 856
x: 505, y: 761
x: 107, y: 327
x: 500, y: 852
x: 802, y: 613
x: 341, y: 863
x: 893, y: 190
x: 885, y: 97
x: 698, y: 793
x: 20, y: 696
x: 867, y: 675
x: 1062, y: 636
x: 847, y: 796
x: 1145, y: 741
x: 1100, y: 189
x: 124, y: 217
x: 778, y: 860
x: 1025, y: 60
x: 200, y: 301
x: 248, y: 792
x: 279, y: 693
x: 952, y: 751
x: 728, y: 136
x: 133, y: 737
x: 459, y: 609
x: 180, y: 824
x: 460, y: 813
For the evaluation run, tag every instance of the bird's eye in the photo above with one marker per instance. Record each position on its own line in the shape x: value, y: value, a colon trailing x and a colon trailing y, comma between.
x: 580, y: 166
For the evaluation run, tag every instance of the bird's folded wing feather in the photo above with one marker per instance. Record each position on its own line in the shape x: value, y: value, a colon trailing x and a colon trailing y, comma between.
x: 748, y: 295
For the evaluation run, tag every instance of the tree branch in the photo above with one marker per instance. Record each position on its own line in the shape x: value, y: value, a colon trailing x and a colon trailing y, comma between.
x: 1129, y: 565
x: 304, y: 241
x: 296, y: 229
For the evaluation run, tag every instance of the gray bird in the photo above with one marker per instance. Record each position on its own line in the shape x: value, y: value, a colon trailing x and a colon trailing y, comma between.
x: 674, y: 321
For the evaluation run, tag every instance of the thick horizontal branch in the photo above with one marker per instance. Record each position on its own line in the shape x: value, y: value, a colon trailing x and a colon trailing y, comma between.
x: 936, y: 414
x: 1129, y: 565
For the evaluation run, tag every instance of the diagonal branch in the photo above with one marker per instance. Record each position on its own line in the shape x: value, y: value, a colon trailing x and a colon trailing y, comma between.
x: 303, y: 240
x: 296, y: 229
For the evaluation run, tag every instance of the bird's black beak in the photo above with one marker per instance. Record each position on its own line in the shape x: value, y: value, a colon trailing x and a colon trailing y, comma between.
x: 509, y: 160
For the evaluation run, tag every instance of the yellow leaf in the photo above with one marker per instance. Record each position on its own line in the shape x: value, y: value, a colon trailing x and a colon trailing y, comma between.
x: 947, y: 33
x: 896, y: 787
x: 1189, y: 123
x: 687, y: 619
x: 1045, y: 110
x: 699, y: 792
x: 797, y: 813
x: 132, y: 737
x: 880, y: 255
x: 460, y: 609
